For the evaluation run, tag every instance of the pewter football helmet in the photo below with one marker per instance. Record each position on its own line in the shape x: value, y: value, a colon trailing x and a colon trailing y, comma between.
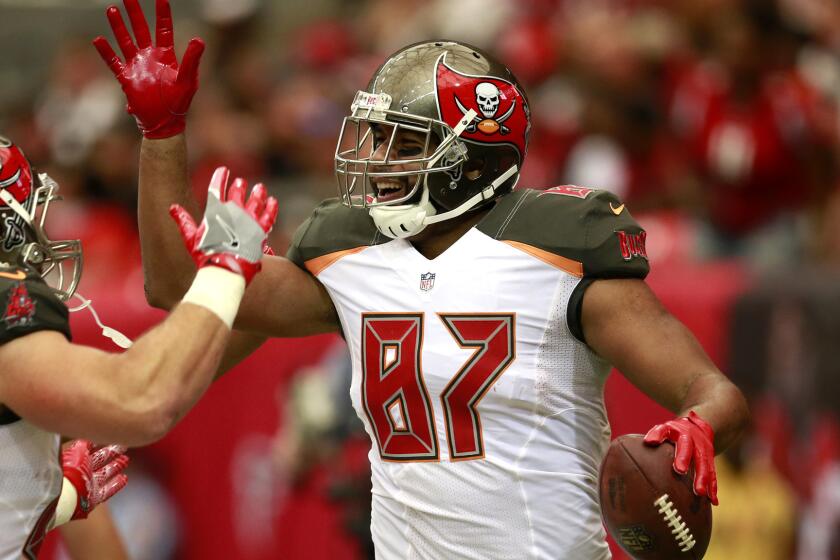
x: 473, y: 116
x: 24, y: 201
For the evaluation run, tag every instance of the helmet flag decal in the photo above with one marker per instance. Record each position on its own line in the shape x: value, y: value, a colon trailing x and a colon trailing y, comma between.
x: 502, y: 112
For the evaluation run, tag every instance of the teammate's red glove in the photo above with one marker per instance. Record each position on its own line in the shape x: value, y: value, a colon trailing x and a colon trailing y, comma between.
x: 158, y: 92
x: 233, y: 233
x: 694, y: 440
x: 95, y: 473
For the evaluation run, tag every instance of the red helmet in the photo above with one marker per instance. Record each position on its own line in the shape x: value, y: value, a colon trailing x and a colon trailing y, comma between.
x: 24, y: 200
x: 473, y: 115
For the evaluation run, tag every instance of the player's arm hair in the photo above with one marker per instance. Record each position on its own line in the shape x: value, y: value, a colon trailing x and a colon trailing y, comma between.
x: 94, y: 537
x: 132, y: 398
x: 625, y: 323
x: 283, y: 300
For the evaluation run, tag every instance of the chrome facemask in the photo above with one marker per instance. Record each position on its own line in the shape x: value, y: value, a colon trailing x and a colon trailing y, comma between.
x: 357, y: 161
x: 59, y: 262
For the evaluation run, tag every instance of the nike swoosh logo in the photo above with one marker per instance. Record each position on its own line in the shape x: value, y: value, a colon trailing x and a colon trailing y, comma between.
x: 618, y: 210
x: 233, y: 238
x: 18, y: 275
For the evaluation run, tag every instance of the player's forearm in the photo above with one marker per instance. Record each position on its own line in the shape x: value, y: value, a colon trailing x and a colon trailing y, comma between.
x: 164, y: 181
x: 97, y: 537
x: 719, y: 402
x: 170, y: 368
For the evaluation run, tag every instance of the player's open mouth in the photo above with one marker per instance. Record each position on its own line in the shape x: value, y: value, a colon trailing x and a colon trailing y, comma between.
x: 389, y: 190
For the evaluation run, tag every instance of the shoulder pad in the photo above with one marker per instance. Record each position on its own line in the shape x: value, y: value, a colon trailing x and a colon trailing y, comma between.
x: 590, y: 229
x: 28, y: 305
x: 332, y: 228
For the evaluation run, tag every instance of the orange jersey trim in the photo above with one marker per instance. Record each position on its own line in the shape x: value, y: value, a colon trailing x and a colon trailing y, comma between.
x: 19, y: 275
x: 317, y: 265
x: 566, y: 265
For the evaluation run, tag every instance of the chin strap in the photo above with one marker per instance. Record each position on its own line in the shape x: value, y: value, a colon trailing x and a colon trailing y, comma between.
x: 485, y: 194
x: 406, y: 220
x: 116, y: 336
x: 18, y: 208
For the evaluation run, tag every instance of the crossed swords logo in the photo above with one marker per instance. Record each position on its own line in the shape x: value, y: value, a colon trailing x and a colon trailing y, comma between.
x: 472, y: 126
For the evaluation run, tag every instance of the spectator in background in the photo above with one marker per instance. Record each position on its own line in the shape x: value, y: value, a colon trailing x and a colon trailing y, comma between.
x: 322, y: 432
x: 76, y: 106
x: 751, y: 126
x: 748, y: 484
x: 820, y: 523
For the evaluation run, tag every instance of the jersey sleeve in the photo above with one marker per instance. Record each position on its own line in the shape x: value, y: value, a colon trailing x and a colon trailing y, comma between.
x: 28, y: 306
x: 332, y: 229
x: 590, y: 228
x: 589, y: 231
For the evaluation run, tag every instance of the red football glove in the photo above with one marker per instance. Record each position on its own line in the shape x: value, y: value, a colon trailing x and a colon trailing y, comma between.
x: 694, y: 440
x: 157, y: 90
x: 233, y: 233
x: 95, y: 472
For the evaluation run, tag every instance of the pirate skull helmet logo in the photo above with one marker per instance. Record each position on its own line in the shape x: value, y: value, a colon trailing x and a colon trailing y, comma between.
x: 487, y: 96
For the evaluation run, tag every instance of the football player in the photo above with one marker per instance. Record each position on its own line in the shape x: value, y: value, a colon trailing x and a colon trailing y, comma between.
x: 50, y: 386
x: 482, y: 322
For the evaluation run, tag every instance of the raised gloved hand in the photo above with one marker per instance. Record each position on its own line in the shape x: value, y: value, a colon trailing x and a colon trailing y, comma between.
x: 94, y: 472
x: 694, y: 440
x: 157, y: 90
x: 233, y: 233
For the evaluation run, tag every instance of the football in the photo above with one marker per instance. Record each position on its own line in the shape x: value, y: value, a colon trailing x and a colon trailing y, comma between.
x: 649, y: 509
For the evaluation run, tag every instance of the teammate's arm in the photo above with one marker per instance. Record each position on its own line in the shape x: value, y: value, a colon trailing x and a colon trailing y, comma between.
x: 97, y: 537
x: 132, y: 398
x: 284, y: 300
x: 135, y: 397
x: 625, y: 323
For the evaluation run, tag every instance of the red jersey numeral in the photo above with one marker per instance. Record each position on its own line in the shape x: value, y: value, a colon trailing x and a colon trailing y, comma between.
x: 492, y: 336
x: 394, y: 394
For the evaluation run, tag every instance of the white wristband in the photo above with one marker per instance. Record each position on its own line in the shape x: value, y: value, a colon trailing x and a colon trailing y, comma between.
x: 218, y: 290
x: 66, y: 503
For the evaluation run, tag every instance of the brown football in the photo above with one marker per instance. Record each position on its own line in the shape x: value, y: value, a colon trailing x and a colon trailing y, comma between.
x: 650, y: 510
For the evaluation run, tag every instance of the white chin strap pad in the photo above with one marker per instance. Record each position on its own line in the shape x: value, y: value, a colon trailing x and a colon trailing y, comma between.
x: 403, y: 220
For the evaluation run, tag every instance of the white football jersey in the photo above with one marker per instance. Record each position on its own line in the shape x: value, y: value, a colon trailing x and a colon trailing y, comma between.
x: 485, y: 411
x: 30, y: 471
x: 30, y: 483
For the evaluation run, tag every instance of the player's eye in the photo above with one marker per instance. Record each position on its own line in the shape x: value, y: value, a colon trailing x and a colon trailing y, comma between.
x: 410, y: 151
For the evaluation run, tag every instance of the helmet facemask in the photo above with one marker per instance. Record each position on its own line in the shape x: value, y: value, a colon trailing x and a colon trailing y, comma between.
x: 360, y: 161
x: 24, y: 238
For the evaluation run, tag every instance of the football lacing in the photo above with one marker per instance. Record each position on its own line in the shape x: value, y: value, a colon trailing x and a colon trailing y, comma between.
x: 679, y: 528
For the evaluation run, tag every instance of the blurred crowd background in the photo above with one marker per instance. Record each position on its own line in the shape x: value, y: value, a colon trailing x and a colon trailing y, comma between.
x: 717, y: 121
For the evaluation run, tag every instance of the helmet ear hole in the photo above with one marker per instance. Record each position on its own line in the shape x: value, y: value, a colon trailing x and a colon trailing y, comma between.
x: 474, y: 168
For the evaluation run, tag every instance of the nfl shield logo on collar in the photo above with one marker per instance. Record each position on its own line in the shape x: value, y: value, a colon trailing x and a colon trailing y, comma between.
x: 427, y: 281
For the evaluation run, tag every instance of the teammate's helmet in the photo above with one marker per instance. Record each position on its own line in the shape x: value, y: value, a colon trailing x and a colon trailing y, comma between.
x: 24, y: 201
x: 475, y: 118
